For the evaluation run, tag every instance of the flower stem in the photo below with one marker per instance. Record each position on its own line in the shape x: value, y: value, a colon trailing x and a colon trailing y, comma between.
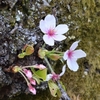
x: 49, y: 65
x: 64, y: 95
x: 43, y: 45
x: 31, y: 66
x: 54, y: 51
x: 24, y: 77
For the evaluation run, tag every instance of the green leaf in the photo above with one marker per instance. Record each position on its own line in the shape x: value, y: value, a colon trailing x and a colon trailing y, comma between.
x: 53, y: 88
x: 40, y: 73
x: 58, y: 93
x: 21, y: 55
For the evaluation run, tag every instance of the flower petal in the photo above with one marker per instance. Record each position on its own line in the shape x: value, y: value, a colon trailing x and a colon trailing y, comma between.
x: 63, y: 70
x: 79, y: 54
x: 61, y: 29
x: 72, y: 64
x: 48, y: 40
x: 50, y: 21
x: 74, y: 45
x: 42, y: 26
x: 59, y: 37
x: 49, y: 76
x: 65, y: 57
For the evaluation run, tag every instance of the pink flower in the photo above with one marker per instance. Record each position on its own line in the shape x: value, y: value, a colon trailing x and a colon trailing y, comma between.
x: 54, y: 76
x: 32, y: 89
x: 28, y: 73
x: 48, y: 26
x: 72, y: 55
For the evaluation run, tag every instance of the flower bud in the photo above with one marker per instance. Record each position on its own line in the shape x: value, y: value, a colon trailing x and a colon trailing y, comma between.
x: 54, y: 56
x: 16, y: 69
x: 31, y: 89
x: 40, y: 66
x: 28, y: 73
x: 29, y: 50
x: 42, y: 53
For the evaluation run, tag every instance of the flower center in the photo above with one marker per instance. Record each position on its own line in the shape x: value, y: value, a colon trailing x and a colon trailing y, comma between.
x: 70, y: 54
x: 55, y: 77
x: 51, y: 32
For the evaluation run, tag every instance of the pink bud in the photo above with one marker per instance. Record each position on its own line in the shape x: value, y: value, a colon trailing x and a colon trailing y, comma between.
x: 28, y: 73
x: 32, y: 81
x: 32, y: 89
x: 42, y: 53
x: 41, y: 67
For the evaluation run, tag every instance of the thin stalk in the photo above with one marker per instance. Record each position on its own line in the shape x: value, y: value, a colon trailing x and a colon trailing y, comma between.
x: 31, y: 66
x: 64, y: 95
x: 43, y: 46
x: 24, y: 77
x: 49, y: 65
x: 54, y: 51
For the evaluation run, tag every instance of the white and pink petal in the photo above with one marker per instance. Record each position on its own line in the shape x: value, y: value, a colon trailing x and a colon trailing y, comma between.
x: 72, y: 65
x: 42, y: 26
x: 63, y: 70
x: 50, y: 21
x: 61, y: 29
x: 74, y: 45
x: 79, y: 54
x: 59, y: 37
x: 48, y: 40
x: 48, y: 77
x: 65, y: 56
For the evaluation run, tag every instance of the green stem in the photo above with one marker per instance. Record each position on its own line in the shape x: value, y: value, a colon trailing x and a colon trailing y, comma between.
x: 24, y: 77
x: 49, y: 65
x: 43, y: 46
x: 31, y: 66
x: 54, y: 51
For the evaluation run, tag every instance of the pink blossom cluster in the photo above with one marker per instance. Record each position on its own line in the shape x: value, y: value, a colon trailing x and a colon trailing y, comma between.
x: 31, y: 81
x: 55, y: 76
